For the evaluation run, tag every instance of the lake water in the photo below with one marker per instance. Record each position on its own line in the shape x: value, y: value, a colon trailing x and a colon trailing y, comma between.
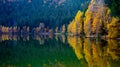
x: 58, y: 51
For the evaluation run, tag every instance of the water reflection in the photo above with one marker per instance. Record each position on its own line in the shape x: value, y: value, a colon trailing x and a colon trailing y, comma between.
x: 58, y: 51
x: 76, y: 43
x: 98, y: 53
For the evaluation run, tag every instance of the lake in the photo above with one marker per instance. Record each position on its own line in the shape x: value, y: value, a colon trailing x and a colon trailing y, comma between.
x: 58, y: 51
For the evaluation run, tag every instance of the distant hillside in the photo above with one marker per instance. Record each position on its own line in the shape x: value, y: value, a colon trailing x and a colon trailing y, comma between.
x: 31, y: 12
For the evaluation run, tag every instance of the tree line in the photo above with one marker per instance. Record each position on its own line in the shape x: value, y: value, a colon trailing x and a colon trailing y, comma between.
x: 97, y: 21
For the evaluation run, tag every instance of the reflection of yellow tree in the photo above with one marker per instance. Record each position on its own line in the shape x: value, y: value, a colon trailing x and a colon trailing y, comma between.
x: 94, y: 54
x: 113, y: 49
x: 98, y: 54
x: 4, y: 37
x: 87, y: 52
x: 76, y: 44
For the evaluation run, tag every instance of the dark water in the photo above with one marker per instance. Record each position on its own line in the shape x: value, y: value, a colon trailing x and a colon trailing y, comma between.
x: 58, y: 51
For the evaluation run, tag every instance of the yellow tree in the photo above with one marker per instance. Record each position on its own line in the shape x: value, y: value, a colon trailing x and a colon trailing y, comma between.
x: 96, y: 18
x: 70, y: 27
x: 87, y: 23
x: 114, y: 28
x: 76, y: 26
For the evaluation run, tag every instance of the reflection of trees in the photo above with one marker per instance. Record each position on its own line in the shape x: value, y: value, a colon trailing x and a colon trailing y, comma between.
x: 76, y: 43
x: 98, y: 53
x: 62, y: 38
x: 87, y: 52
x: 98, y: 56
x: 40, y: 39
x: 57, y: 64
x: 113, y: 49
x: 24, y: 37
x: 4, y: 37
x: 29, y: 54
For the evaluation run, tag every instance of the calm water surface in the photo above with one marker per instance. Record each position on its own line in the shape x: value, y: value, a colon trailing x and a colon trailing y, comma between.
x: 58, y: 51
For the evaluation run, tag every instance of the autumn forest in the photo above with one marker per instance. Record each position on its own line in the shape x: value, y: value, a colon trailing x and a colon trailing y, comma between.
x: 94, y: 18
x: 59, y: 33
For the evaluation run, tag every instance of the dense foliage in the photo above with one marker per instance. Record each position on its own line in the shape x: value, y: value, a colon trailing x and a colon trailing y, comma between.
x: 31, y: 12
x: 97, y: 21
x: 76, y: 25
x: 114, y: 6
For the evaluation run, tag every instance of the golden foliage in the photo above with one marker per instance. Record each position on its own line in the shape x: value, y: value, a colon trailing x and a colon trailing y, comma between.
x: 70, y: 27
x: 75, y: 26
x: 4, y: 29
x: 97, y: 17
x: 114, y: 28
x: 5, y: 37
